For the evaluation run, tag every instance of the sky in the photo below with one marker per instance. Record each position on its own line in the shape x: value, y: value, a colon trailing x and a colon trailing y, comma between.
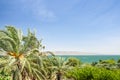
x: 67, y: 25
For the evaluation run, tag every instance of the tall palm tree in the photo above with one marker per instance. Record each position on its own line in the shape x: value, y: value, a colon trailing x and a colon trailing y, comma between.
x: 20, y: 54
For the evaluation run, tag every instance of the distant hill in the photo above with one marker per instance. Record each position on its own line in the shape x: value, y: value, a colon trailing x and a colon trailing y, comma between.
x: 83, y: 53
x: 71, y: 53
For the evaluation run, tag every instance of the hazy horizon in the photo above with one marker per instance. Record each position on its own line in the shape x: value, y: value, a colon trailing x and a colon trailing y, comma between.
x: 83, y: 53
x: 67, y: 25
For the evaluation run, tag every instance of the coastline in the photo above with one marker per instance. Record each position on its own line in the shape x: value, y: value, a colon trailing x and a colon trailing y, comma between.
x: 82, y: 53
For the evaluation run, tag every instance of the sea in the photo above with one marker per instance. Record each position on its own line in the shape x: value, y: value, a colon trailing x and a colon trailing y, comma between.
x: 92, y: 58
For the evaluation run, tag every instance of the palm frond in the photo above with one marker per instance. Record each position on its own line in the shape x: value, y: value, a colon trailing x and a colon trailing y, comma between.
x: 13, y: 44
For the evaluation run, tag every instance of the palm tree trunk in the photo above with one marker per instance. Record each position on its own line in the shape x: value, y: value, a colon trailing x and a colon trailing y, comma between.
x: 59, y: 76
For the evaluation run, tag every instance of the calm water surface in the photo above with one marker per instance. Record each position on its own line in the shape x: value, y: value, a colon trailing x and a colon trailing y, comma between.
x: 92, y: 58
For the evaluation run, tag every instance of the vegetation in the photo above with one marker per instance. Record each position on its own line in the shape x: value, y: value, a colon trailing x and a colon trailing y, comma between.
x: 22, y: 58
x: 73, y: 62
x: 93, y: 73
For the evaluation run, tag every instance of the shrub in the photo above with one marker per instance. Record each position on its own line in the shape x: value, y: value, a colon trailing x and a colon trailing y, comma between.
x: 93, y: 73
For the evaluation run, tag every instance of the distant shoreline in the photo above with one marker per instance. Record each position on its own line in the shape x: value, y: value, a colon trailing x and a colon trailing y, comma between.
x: 81, y: 53
x: 88, y: 54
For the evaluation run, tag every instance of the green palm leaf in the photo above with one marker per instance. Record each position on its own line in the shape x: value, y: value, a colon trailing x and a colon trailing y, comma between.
x: 21, y: 55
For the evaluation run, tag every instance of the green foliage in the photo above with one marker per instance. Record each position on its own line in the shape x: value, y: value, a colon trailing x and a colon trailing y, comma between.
x: 58, y: 66
x: 80, y: 73
x: 118, y: 61
x: 22, y: 54
x: 73, y: 62
x: 93, y: 73
x: 108, y: 64
x: 110, y: 61
x: 4, y: 76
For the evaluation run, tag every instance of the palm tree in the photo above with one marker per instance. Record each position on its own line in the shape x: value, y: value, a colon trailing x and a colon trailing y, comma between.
x: 58, y: 67
x: 20, y: 54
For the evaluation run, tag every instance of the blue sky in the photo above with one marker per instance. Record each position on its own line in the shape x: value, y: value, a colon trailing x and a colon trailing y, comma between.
x: 67, y: 25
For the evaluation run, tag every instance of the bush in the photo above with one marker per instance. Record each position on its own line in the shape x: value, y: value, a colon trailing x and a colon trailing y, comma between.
x: 73, y: 62
x: 93, y: 73
x: 80, y: 73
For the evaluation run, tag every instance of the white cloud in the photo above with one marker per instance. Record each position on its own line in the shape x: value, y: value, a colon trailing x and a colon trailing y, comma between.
x: 45, y: 14
x: 39, y: 9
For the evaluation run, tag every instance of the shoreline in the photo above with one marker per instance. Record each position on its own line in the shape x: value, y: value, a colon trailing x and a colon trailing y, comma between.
x: 81, y: 53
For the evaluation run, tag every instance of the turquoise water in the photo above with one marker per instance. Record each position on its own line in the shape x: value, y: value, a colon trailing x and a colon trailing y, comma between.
x: 92, y: 58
